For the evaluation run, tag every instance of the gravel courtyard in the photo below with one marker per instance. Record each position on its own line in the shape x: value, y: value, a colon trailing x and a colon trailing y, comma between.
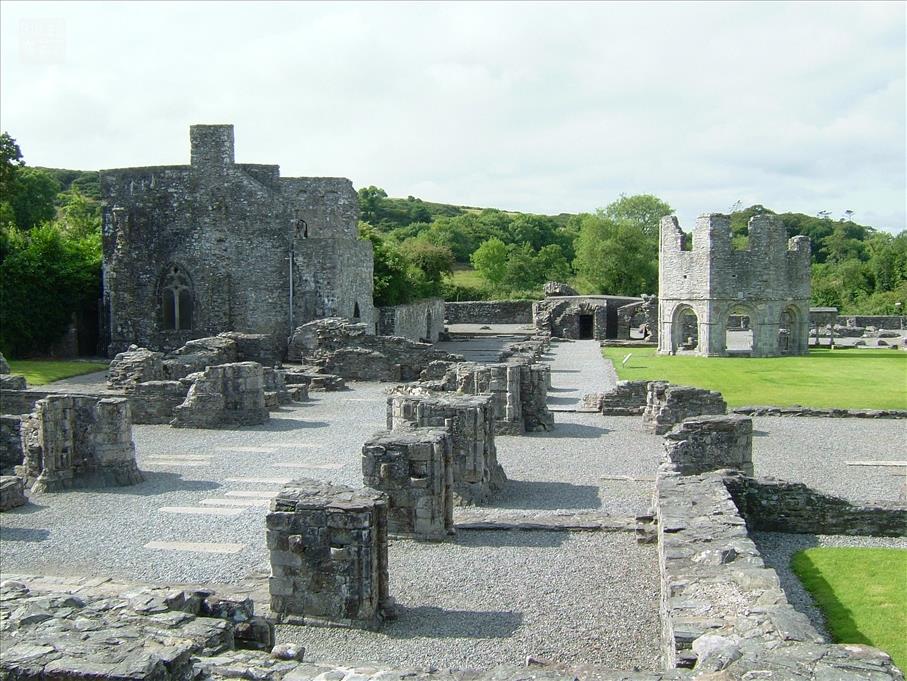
x: 485, y: 598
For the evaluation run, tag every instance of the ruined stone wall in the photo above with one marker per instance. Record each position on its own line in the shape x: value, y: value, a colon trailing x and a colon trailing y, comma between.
x: 328, y: 546
x: 667, y: 405
x: 225, y: 232
x: 414, y: 468
x: 73, y: 440
x: 772, y: 505
x: 633, y: 316
x: 420, y: 321
x: 627, y: 398
x: 489, y: 312
x: 710, y: 443
x: 10, y: 442
x: 470, y: 421
x: 224, y: 395
x: 560, y: 316
x: 890, y: 322
x: 769, y: 278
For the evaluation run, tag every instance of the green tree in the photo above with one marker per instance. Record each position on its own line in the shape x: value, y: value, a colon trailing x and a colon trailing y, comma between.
x: 490, y: 261
x: 32, y: 199
x: 78, y: 215
x: 552, y: 263
x: 522, y: 271
x: 391, y: 285
x: 644, y: 211
x: 431, y: 261
x: 615, y: 258
x: 370, y: 200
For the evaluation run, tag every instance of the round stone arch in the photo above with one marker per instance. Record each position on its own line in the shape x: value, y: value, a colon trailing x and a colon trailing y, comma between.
x: 684, y: 321
x: 792, y: 331
x: 741, y: 308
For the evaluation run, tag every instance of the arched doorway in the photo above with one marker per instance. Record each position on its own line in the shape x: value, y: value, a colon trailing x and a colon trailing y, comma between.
x: 684, y: 330
x: 739, y: 324
x: 789, y: 330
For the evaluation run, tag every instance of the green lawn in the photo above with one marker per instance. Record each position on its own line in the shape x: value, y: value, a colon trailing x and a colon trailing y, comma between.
x: 862, y: 593
x: 39, y: 372
x: 851, y: 379
x: 466, y: 276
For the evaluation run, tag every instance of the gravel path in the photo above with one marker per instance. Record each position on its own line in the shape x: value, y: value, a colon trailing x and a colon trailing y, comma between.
x: 496, y: 597
x: 816, y: 451
x: 777, y: 549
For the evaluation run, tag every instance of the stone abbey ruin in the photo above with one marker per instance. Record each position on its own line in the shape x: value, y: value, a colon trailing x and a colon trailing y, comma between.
x: 277, y: 481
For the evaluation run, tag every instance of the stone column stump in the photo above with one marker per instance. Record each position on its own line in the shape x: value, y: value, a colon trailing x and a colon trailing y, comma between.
x: 328, y: 546
x: 413, y: 467
x: 470, y: 420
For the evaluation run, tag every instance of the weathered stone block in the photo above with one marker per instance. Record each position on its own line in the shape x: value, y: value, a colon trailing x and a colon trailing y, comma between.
x: 136, y: 365
x: 627, y: 398
x: 470, y: 420
x: 413, y: 467
x: 228, y: 394
x: 668, y: 405
x: 12, y: 492
x: 329, y: 564
x: 709, y: 443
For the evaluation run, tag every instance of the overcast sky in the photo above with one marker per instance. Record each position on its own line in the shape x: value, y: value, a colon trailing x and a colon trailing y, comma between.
x: 523, y: 106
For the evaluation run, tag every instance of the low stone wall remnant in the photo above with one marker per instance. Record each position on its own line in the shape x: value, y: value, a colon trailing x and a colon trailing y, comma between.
x: 710, y: 443
x: 421, y: 321
x: 627, y: 398
x: 328, y: 547
x: 470, y: 421
x: 73, y: 440
x: 667, y: 405
x: 12, y: 492
x: 489, y: 312
x: 224, y: 395
x: 414, y: 468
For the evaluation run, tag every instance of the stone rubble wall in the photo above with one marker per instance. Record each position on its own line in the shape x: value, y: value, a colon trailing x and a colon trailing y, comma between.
x: 723, y: 612
x: 667, y: 405
x: 74, y: 440
x: 328, y: 547
x: 422, y: 321
x: 635, y: 315
x: 772, y: 505
x: 470, y: 421
x: 627, y: 398
x: 709, y: 443
x: 489, y: 312
x: 255, y: 347
x: 159, y: 634
x: 12, y: 492
x: 889, y: 322
x: 223, y: 396
x: 309, y: 380
x: 822, y: 413
x: 560, y: 316
x: 558, y: 289
x: 414, y: 469
x: 10, y: 442
x: 156, y: 401
x: 347, y: 349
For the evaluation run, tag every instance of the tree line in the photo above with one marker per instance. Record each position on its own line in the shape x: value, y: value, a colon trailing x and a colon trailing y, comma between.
x: 50, y: 251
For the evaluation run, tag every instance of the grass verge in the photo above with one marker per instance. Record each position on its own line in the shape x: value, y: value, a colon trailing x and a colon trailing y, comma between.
x: 862, y: 594
x: 39, y: 372
x: 850, y: 379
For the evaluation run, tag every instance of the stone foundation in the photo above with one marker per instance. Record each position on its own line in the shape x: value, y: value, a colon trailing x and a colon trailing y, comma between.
x: 328, y: 547
x: 710, y: 443
x: 470, y: 420
x: 668, y: 405
x: 413, y: 467
x: 224, y: 395
x: 69, y: 441
x: 12, y: 492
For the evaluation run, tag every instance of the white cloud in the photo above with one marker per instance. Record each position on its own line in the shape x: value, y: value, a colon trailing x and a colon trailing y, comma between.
x: 549, y: 107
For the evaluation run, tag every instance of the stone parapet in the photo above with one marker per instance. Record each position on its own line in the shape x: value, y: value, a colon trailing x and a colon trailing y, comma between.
x: 710, y: 443
x: 72, y: 440
x: 667, y: 405
x: 470, y: 420
x: 328, y: 546
x: 413, y: 467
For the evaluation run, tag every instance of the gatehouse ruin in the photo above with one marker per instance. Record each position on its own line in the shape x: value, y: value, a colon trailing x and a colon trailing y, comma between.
x: 709, y: 287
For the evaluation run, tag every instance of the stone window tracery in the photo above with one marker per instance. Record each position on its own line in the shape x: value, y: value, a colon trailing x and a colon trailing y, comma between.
x: 177, y: 299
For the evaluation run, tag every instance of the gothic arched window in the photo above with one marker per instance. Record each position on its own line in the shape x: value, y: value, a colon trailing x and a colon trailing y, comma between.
x: 177, y: 299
